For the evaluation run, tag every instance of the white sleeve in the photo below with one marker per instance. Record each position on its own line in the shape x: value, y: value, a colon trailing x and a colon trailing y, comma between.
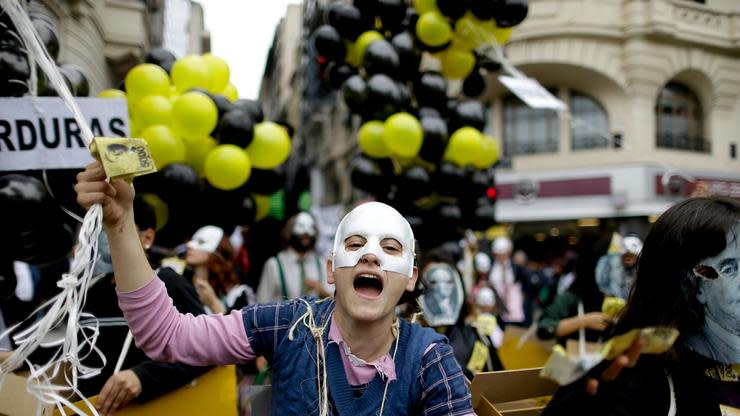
x: 268, y: 289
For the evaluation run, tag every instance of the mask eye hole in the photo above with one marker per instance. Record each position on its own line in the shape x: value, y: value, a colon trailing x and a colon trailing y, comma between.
x: 707, y: 272
x: 354, y: 243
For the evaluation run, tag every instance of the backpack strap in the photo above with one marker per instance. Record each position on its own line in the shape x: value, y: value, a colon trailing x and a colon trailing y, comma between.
x: 281, y: 271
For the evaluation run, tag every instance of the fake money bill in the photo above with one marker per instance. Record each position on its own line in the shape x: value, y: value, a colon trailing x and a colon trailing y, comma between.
x: 612, y: 306
x: 123, y: 158
x: 565, y: 369
x: 657, y: 341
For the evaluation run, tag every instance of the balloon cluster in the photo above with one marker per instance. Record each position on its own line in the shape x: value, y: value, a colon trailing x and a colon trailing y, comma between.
x: 214, y: 152
x: 15, y: 65
x: 414, y: 133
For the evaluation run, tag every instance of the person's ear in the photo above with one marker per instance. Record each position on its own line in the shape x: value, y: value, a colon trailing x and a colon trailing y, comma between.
x: 700, y: 296
x: 147, y: 238
x: 411, y: 284
x: 329, y: 273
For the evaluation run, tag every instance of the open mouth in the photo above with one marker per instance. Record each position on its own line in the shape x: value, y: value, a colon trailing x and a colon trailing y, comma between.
x: 368, y: 285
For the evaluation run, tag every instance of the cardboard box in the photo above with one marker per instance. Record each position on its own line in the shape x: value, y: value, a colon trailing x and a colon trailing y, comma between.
x: 511, y: 393
x: 15, y: 398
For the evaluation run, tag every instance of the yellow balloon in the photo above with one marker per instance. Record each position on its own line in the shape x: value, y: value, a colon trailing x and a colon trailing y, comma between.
x: 161, y: 210
x: 464, y: 146
x: 230, y: 92
x: 227, y: 167
x: 218, y: 71
x: 470, y: 32
x: 152, y: 110
x: 502, y: 35
x: 356, y: 50
x: 146, y: 79
x: 489, y: 153
x: 197, y: 151
x: 112, y: 93
x: 270, y: 145
x: 457, y: 63
x: 194, y: 115
x: 403, y: 135
x: 424, y: 6
x: 262, y: 205
x: 164, y: 145
x: 134, y: 130
x: 370, y: 139
x: 189, y: 72
x: 433, y: 29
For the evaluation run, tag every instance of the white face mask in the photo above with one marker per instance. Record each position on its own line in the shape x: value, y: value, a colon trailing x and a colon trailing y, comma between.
x: 206, y: 238
x: 304, y: 224
x: 375, y: 222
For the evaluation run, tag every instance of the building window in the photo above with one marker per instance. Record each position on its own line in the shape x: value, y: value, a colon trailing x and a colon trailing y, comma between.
x: 590, y: 126
x: 679, y: 119
x: 528, y: 130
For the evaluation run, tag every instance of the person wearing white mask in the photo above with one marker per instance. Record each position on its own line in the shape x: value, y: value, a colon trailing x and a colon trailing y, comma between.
x: 348, y: 354
x: 297, y: 270
x: 509, y: 280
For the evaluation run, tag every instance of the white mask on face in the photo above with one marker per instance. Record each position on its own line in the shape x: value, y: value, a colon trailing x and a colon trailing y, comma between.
x: 206, y: 238
x: 375, y: 222
x: 304, y: 224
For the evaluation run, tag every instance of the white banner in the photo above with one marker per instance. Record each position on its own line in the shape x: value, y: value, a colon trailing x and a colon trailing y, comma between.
x: 40, y: 132
x: 532, y: 93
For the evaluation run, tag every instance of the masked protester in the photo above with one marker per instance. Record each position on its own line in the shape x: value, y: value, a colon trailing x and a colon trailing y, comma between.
x: 448, y: 312
x: 346, y: 355
x: 687, y: 278
x: 297, y: 270
x: 210, y: 256
x: 615, y: 273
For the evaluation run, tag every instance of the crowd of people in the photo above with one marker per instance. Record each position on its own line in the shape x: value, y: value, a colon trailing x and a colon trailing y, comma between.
x: 348, y: 320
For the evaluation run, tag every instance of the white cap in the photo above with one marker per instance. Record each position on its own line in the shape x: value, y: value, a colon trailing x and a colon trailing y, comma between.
x: 502, y: 245
x: 206, y: 238
x: 482, y: 262
x: 631, y: 244
x: 485, y: 297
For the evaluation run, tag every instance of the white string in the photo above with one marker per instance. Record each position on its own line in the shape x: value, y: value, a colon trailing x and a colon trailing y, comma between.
x: 65, y: 309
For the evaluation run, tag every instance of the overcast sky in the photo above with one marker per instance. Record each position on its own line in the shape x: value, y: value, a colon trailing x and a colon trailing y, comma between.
x: 241, y: 33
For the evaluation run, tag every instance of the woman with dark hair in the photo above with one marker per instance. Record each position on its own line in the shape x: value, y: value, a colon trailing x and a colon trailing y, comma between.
x: 687, y: 278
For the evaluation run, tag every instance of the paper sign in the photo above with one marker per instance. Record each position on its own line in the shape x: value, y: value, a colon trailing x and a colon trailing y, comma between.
x: 532, y: 93
x: 40, y: 132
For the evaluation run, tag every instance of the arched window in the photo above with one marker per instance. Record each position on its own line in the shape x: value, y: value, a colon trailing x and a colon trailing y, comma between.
x: 590, y: 126
x: 679, y: 119
x: 528, y: 130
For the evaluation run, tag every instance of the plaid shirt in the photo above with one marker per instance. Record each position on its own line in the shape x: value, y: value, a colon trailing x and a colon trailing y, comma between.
x: 440, y: 379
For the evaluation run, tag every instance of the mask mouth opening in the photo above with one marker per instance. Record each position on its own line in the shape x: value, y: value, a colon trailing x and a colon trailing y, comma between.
x: 368, y: 285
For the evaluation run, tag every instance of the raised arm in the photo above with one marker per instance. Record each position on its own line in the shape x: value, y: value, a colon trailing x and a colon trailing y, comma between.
x: 131, y: 267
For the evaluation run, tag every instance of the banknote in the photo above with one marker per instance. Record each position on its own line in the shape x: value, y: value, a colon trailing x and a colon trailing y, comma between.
x: 123, y: 158
x: 612, y: 306
x: 565, y: 369
x: 657, y: 340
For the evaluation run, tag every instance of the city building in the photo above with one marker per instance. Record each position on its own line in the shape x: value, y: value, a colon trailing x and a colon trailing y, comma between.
x: 653, y: 89
x: 108, y: 37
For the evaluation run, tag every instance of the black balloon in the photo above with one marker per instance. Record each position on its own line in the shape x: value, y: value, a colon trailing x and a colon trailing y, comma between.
x: 368, y: 176
x: 9, y: 38
x: 414, y: 183
x: 454, y: 9
x: 77, y: 79
x: 48, y: 34
x: 160, y: 57
x: 392, y: 14
x: 366, y: 7
x: 409, y: 57
x: 347, y: 20
x: 338, y: 73
x: 14, y: 72
x: 449, y: 217
x: 409, y: 22
x: 487, y: 63
x: 383, y: 97
x: 479, y: 214
x: 405, y: 96
x: 236, y: 128
x: 178, y: 183
x: 223, y: 105
x: 431, y: 90
x: 251, y: 107
x: 480, y: 181
x: 484, y: 9
x: 474, y: 85
x: 469, y: 113
x: 450, y: 180
x: 435, y: 139
x: 266, y: 182
x: 7, y: 279
x: 381, y: 58
x: 428, y: 112
x: 354, y: 92
x: 329, y: 43
x: 511, y: 12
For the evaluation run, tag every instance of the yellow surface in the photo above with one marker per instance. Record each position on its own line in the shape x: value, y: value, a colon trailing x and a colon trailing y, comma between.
x: 531, y: 353
x: 213, y: 393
